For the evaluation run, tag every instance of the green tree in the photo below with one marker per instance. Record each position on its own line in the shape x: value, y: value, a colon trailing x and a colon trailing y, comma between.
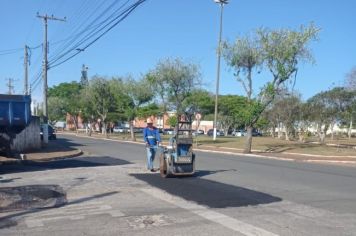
x: 324, y: 110
x: 56, y: 109
x: 172, y: 121
x: 285, y: 108
x: 88, y: 112
x: 343, y: 100
x: 245, y: 56
x: 64, y: 90
x: 68, y: 94
x: 350, y: 84
x: 149, y: 110
x: 159, y: 89
x: 233, y: 106
x: 285, y: 112
x: 102, y: 99
x: 280, y: 51
x: 122, y: 100
x: 201, y: 100
x: 327, y: 108
x: 140, y: 94
x: 174, y: 81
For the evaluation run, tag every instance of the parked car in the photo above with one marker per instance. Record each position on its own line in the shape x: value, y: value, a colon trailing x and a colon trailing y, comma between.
x: 218, y: 132
x: 60, y: 125
x: 138, y: 130
x: 198, y: 132
x: 118, y: 129
x: 51, y: 132
x: 239, y: 133
x: 256, y: 133
x: 168, y: 131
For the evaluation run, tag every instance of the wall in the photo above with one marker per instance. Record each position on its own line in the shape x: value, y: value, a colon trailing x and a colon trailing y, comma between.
x: 29, y: 138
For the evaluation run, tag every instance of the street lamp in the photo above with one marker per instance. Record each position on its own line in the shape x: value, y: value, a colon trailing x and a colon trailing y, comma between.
x: 222, y: 3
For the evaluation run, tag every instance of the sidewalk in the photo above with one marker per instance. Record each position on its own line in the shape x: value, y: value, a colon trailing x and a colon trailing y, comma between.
x: 52, y: 151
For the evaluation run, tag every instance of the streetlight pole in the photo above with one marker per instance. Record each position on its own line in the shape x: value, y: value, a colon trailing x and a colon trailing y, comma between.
x: 221, y: 2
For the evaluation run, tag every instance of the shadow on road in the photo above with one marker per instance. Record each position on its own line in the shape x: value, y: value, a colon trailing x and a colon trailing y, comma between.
x: 207, y: 192
x: 201, y: 173
x: 5, y: 181
x: 85, y: 199
x: 66, y: 143
x: 91, y: 161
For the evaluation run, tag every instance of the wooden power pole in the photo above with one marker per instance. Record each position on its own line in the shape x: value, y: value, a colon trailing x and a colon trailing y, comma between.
x: 44, y: 74
x: 45, y: 62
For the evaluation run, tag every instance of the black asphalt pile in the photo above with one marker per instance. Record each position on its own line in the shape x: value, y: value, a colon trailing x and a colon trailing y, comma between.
x: 31, y: 197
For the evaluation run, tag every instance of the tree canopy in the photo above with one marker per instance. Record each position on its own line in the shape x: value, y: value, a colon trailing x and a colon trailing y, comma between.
x: 278, y: 50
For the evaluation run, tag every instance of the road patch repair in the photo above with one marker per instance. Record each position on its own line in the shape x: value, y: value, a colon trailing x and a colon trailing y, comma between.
x: 29, y: 198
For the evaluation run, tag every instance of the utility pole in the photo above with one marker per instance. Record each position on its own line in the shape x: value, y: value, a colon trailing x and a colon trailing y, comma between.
x: 44, y: 73
x: 26, y: 72
x: 10, y: 85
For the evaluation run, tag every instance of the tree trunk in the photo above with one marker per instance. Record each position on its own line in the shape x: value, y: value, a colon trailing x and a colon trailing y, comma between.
x: 301, y: 136
x: 273, y: 133
x: 287, y: 133
x: 350, y: 129
x: 91, y: 127
x: 133, y: 137
x: 75, y: 124
x: 323, y: 134
x: 279, y: 130
x: 322, y: 138
x: 332, y: 131
x: 319, y: 133
x: 104, y: 131
x: 248, y: 142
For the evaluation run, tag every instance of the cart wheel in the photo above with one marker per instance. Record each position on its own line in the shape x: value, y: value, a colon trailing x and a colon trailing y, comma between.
x: 162, y: 166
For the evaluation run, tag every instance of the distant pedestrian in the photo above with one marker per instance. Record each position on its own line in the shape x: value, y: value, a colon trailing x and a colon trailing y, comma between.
x: 152, y: 139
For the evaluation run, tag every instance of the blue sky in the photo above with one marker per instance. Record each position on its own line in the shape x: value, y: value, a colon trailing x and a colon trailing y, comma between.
x: 174, y: 28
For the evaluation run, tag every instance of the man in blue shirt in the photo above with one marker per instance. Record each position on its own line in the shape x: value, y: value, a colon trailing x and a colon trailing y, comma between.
x: 152, y: 139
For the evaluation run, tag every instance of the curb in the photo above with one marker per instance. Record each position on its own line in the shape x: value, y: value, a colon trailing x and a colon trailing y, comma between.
x: 19, y: 161
x: 80, y: 152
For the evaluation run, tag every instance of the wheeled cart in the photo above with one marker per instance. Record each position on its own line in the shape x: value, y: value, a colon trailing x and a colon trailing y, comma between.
x: 177, y: 158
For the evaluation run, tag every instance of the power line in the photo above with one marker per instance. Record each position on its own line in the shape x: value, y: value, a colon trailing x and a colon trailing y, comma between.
x: 118, y: 19
x: 15, y: 50
x: 68, y: 48
x: 36, y: 79
x: 10, y: 51
x: 77, y: 32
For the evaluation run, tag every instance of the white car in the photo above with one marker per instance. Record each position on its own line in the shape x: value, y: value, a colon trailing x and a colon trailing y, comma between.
x: 198, y: 132
x: 119, y: 130
x: 239, y: 133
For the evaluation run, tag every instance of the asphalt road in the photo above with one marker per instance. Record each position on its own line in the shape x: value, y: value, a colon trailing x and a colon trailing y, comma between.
x: 234, y: 195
